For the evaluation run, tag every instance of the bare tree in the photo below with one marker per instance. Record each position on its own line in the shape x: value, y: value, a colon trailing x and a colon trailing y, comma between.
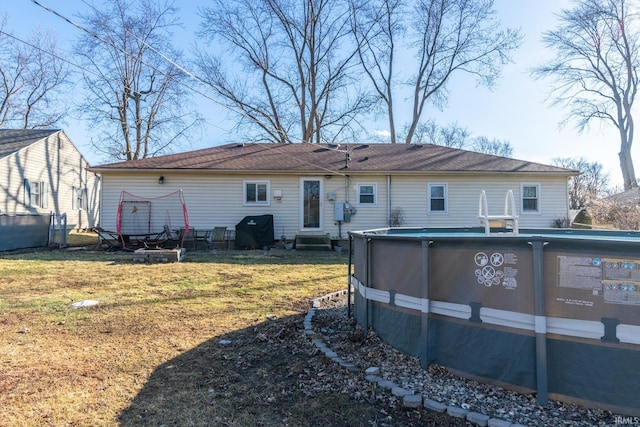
x: 32, y: 78
x: 456, y: 136
x: 589, y: 185
x: 134, y: 92
x: 595, y: 71
x: 376, y: 26
x: 451, y: 135
x: 292, y: 75
x: 495, y: 147
x: 446, y: 37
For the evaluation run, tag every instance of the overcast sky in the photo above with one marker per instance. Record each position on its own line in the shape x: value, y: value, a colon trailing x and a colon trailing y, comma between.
x: 516, y: 110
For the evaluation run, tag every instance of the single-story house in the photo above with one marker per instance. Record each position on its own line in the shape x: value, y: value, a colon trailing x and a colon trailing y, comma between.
x: 42, y: 171
x: 332, y: 189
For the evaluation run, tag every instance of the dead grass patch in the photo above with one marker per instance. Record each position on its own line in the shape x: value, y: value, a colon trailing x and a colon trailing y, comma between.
x: 89, y: 366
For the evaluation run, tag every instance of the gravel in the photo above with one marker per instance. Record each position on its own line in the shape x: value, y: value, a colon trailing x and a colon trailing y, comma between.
x: 369, y: 353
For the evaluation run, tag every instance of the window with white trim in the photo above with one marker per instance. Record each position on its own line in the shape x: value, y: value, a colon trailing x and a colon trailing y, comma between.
x: 256, y: 193
x: 530, y: 198
x: 367, y: 195
x: 438, y: 198
x: 79, y: 198
x: 35, y: 194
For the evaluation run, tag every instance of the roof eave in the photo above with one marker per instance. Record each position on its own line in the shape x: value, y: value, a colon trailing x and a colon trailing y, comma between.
x: 325, y: 172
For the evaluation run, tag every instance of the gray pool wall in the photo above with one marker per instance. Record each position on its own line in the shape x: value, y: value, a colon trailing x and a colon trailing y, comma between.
x: 551, y: 312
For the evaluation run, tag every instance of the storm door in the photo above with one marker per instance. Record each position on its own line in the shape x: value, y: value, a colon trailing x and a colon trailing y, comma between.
x: 311, y: 198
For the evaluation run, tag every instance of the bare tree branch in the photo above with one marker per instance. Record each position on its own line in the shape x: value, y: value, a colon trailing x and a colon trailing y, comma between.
x: 32, y: 78
x: 595, y: 70
x: 589, y: 185
x: 293, y: 75
x: 132, y: 90
x: 446, y: 37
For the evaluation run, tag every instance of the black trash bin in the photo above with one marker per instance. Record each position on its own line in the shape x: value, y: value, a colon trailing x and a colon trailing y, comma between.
x: 255, y: 232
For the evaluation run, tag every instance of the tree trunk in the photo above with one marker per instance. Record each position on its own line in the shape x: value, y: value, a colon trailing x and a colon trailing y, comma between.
x: 628, y: 172
x: 626, y: 139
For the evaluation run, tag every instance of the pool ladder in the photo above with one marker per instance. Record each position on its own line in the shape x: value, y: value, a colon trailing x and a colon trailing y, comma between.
x: 505, y: 220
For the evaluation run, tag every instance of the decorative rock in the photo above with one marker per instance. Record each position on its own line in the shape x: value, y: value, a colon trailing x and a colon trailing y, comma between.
x: 372, y: 371
x: 434, y: 406
x: 456, y: 412
x: 478, y: 419
x: 412, y: 401
x: 387, y: 385
x: 350, y: 367
x: 497, y: 422
x: 519, y: 409
x: 400, y: 392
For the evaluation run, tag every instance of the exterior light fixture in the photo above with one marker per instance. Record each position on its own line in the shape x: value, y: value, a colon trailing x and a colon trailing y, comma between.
x: 161, y: 180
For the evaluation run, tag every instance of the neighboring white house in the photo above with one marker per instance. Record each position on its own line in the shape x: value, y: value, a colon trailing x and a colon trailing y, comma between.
x: 333, y: 189
x: 41, y: 171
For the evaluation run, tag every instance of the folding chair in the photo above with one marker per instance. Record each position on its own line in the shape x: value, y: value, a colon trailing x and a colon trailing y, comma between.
x: 215, y: 237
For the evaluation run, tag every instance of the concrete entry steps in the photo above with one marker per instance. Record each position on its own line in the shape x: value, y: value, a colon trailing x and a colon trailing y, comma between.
x: 313, y: 242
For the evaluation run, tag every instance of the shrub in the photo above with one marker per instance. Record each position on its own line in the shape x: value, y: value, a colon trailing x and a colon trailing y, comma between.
x: 397, y: 217
x: 619, y: 215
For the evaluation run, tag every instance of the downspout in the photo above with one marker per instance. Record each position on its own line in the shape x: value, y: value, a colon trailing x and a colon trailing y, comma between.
x: 349, y: 275
x: 388, y: 200
x: 346, y: 188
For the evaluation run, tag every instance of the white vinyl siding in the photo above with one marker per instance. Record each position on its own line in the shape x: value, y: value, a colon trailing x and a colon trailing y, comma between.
x: 56, y: 166
x: 408, y: 193
x: 213, y: 200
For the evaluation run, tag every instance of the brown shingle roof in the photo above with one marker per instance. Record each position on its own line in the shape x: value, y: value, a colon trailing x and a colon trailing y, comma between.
x: 14, y: 140
x: 325, y: 158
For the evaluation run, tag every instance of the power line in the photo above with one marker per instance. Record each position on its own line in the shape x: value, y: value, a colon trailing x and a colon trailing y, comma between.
x: 172, y: 62
x: 119, y: 49
x: 162, y: 55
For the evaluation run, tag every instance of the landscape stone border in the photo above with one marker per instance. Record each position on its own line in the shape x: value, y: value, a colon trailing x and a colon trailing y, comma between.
x: 372, y: 375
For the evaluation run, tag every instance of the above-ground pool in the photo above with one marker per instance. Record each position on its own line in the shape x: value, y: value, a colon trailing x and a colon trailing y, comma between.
x: 549, y: 311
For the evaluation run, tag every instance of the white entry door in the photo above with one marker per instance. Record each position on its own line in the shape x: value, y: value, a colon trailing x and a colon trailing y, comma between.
x: 311, y: 199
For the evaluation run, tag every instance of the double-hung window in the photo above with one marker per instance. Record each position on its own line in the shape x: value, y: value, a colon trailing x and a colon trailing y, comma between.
x: 438, y: 198
x: 256, y: 193
x: 367, y: 195
x: 530, y: 198
x: 79, y: 201
x: 35, y: 194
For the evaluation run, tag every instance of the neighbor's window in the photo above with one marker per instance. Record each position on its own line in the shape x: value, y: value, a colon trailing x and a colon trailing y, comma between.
x: 530, y: 198
x: 256, y: 192
x: 35, y: 194
x: 79, y: 198
x: 367, y: 194
x: 437, y: 198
